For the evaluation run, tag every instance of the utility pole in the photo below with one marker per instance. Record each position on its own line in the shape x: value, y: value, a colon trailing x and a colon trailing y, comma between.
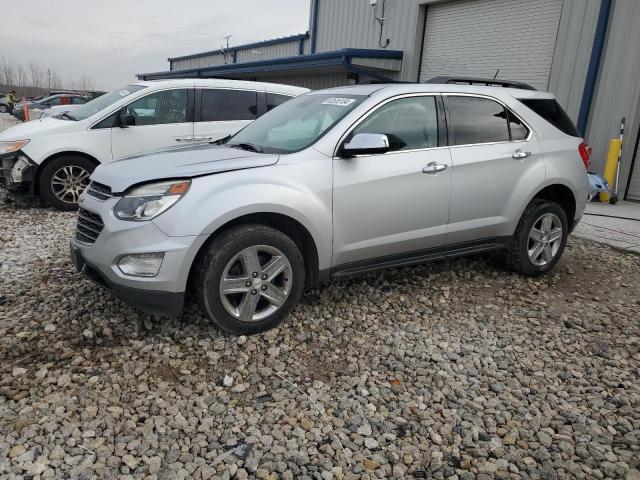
x: 226, y: 49
x: 49, y: 73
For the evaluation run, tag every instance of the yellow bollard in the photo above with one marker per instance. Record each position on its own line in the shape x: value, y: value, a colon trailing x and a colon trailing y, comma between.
x: 615, y: 144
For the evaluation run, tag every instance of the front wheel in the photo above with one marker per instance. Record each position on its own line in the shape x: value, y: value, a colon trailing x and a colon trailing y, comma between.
x: 250, y: 278
x: 539, y: 240
x: 63, y: 180
x: 4, y: 109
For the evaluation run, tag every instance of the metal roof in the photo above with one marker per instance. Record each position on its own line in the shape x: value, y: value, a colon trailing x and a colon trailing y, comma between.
x: 337, y: 60
x: 246, y: 46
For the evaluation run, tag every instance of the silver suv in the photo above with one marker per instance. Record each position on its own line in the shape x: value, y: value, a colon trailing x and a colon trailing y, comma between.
x: 333, y: 183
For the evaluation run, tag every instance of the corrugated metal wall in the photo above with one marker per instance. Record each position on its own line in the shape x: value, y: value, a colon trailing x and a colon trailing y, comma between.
x: 314, y: 82
x: 572, y: 53
x: 351, y: 24
x: 266, y: 52
x: 618, y: 87
x: 205, y: 61
x: 480, y: 37
x: 279, y: 50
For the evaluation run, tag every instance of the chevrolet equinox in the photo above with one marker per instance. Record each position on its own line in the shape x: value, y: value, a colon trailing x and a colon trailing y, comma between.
x: 333, y: 183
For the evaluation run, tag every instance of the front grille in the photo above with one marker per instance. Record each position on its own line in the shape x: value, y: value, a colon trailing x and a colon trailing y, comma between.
x: 88, y: 226
x: 99, y: 191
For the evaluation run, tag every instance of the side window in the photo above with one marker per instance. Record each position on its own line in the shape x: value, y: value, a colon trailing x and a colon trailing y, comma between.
x: 110, y: 122
x: 77, y: 100
x: 477, y: 120
x: 54, y: 101
x: 225, y: 105
x: 275, y: 99
x: 409, y: 123
x: 169, y: 106
x: 516, y: 128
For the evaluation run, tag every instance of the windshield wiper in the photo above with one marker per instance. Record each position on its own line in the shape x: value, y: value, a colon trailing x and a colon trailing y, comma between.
x: 221, y: 141
x: 252, y: 147
x: 68, y: 115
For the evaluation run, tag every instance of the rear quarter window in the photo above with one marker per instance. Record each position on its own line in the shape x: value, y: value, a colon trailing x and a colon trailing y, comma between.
x: 552, y: 112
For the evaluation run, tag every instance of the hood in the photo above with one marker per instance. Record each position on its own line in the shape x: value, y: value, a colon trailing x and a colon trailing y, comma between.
x: 38, y: 128
x: 184, y: 162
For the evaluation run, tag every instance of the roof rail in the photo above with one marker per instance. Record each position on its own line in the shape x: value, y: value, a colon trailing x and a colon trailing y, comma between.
x: 490, y: 82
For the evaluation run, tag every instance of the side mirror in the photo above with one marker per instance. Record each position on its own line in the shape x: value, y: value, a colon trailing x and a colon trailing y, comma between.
x: 127, y: 119
x: 366, y: 144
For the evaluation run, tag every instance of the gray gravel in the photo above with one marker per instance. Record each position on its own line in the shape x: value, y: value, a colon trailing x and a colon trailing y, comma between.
x: 453, y: 370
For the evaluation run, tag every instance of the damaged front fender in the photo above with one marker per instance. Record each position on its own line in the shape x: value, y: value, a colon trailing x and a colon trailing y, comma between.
x: 17, y: 171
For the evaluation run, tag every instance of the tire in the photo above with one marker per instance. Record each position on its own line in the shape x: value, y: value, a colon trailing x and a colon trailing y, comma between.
x: 4, y: 109
x: 227, y: 256
x: 51, y: 188
x: 523, y: 244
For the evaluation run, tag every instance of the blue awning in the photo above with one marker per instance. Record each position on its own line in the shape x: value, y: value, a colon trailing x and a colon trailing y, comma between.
x: 347, y: 60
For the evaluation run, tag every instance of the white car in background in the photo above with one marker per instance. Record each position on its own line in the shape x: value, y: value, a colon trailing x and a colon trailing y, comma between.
x: 53, y: 157
x: 57, y: 110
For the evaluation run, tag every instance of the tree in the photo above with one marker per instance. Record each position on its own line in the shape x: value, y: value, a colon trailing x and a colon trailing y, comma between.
x: 21, y: 75
x: 36, y: 75
x: 7, y: 69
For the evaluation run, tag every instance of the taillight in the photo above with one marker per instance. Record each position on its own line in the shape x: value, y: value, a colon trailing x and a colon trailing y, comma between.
x: 585, y: 153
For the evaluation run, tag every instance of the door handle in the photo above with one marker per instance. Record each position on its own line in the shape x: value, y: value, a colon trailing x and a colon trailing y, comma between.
x: 433, y: 167
x: 203, y: 139
x: 185, y: 139
x: 519, y: 154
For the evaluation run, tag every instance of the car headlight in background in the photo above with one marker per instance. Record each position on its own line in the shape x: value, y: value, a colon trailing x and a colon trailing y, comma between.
x: 141, y: 264
x: 12, y: 146
x: 148, y: 201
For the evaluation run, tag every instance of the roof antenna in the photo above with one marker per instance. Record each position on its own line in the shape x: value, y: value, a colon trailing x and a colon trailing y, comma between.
x: 496, y: 75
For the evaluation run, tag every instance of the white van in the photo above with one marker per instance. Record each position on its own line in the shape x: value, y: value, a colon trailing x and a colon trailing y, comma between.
x: 54, y: 156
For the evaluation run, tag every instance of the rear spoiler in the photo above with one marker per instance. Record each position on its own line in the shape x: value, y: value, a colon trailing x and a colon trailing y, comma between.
x: 489, y: 82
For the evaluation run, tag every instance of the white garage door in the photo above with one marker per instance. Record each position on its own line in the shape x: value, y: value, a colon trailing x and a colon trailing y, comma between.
x: 478, y: 37
x: 634, y: 180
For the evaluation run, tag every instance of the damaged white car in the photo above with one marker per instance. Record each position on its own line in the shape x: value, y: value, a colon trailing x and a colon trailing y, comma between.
x: 52, y: 158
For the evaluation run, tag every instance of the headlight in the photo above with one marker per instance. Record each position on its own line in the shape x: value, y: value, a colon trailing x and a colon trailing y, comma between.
x: 149, y: 201
x: 13, y: 146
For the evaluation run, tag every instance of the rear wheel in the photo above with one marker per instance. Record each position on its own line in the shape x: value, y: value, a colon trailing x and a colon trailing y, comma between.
x: 4, y: 109
x: 250, y: 278
x: 539, y: 240
x: 63, y: 180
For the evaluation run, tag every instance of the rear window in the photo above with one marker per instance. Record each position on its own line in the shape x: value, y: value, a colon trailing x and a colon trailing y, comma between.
x: 227, y: 105
x: 553, y: 113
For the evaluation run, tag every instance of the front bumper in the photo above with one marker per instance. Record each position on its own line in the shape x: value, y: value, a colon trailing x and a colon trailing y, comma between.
x: 151, y: 301
x: 162, y: 294
x: 17, y: 171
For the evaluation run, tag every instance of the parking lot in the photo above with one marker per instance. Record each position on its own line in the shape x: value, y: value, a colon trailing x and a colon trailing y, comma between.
x: 455, y: 369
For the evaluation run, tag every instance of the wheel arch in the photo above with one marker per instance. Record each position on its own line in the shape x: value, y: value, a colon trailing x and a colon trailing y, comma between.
x: 36, y: 179
x: 563, y: 196
x: 284, y: 223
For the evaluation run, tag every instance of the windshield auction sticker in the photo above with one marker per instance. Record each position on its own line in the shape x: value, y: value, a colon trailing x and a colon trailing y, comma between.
x: 124, y: 93
x: 342, y: 102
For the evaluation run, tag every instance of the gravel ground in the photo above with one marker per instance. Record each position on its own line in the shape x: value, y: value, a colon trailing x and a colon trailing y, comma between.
x: 453, y: 370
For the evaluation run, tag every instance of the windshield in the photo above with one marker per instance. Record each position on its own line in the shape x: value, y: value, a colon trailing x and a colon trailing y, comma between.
x: 104, y: 101
x: 296, y: 124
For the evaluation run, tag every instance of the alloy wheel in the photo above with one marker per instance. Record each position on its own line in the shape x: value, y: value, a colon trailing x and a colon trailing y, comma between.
x: 256, y: 283
x: 69, y: 182
x: 545, y: 239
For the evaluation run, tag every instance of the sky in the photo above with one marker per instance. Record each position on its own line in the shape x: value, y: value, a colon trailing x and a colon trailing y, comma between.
x: 112, y: 40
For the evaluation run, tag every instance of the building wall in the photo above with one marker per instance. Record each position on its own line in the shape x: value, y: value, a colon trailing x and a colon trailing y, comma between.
x: 572, y: 53
x: 351, y: 24
x: 313, y: 82
x: 255, y: 54
x: 267, y: 52
x: 618, y: 87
